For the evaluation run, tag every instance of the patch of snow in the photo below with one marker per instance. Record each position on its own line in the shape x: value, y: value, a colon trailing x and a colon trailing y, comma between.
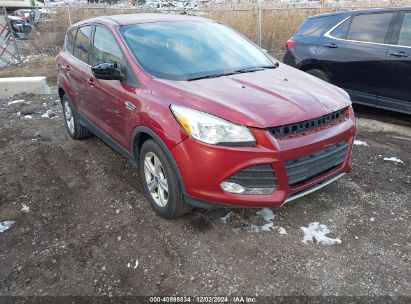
x: 44, y: 104
x: 372, y: 219
x: 25, y: 208
x: 282, y: 231
x: 393, y: 159
x: 318, y: 232
x: 267, y: 227
x: 128, y: 265
x: 15, y: 102
x: 27, y: 117
x: 47, y: 114
x: 136, y: 264
x: 5, y: 225
x: 266, y: 214
x: 253, y: 228
x: 226, y: 217
x: 360, y: 143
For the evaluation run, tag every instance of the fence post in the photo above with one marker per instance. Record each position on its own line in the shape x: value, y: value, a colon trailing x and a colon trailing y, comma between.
x: 68, y: 11
x: 12, y: 34
x: 259, y: 26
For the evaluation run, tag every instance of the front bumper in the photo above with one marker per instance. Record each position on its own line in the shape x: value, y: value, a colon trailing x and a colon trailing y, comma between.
x: 203, y: 167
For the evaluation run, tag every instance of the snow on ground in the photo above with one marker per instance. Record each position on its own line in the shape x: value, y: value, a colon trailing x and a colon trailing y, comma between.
x: 226, y: 217
x: 266, y: 214
x: 360, y: 143
x: 25, y: 208
x: 27, y: 117
x: 393, y: 159
x: 49, y: 114
x: 282, y: 231
x: 5, y: 225
x: 16, y: 101
x: 318, y: 232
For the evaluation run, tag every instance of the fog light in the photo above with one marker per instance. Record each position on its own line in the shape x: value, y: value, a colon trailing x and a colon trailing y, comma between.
x: 230, y: 187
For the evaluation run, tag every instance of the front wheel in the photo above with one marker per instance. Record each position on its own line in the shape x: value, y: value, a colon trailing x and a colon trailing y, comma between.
x: 160, y: 182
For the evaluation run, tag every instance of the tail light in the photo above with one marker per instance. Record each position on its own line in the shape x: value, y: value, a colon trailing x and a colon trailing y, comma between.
x: 290, y: 43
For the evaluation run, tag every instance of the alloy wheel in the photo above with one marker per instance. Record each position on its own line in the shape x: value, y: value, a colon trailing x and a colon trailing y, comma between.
x: 68, y: 114
x: 156, y: 179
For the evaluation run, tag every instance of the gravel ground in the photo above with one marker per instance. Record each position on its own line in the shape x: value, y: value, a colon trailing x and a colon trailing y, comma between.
x: 89, y: 231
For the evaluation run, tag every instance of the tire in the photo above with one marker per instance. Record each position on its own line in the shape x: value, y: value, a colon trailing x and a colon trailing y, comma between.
x: 73, y: 126
x: 171, y: 203
x: 319, y: 74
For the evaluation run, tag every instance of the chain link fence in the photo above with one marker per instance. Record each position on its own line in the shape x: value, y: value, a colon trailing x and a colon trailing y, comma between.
x: 270, y: 28
x: 9, y: 51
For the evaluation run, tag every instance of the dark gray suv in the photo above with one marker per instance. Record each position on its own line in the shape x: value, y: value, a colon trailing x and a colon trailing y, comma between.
x: 366, y: 52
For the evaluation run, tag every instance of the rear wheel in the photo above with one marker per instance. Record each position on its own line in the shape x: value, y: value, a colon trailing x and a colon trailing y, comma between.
x: 319, y: 74
x: 74, y: 128
x: 160, y: 182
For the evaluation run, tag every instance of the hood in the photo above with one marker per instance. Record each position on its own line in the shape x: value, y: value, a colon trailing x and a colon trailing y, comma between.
x: 261, y: 99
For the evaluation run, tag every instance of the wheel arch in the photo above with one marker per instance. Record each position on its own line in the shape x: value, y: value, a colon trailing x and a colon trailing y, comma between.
x: 142, y: 134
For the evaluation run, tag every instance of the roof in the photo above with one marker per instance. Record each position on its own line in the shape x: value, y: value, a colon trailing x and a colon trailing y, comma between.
x: 364, y: 11
x: 128, y: 19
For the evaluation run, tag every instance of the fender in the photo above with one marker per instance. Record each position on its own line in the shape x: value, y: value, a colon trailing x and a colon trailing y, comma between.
x: 309, y: 64
x: 135, y: 149
x: 63, y: 84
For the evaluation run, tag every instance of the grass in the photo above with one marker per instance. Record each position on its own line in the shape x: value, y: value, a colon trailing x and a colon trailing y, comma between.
x: 37, y: 66
x: 278, y: 23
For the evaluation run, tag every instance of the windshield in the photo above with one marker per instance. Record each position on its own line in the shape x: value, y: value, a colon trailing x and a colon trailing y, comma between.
x: 188, y: 50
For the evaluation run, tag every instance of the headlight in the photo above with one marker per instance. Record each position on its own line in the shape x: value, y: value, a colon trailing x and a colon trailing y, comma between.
x: 212, y: 129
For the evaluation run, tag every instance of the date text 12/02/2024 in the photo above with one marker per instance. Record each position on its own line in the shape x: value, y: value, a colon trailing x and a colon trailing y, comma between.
x: 203, y: 299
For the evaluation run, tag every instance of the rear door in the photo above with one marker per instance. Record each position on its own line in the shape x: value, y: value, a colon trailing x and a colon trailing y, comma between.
x: 78, y: 67
x: 353, y: 53
x: 395, y: 91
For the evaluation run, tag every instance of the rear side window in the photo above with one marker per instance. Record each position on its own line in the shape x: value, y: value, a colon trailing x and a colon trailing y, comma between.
x: 341, y: 30
x: 404, y: 37
x: 370, y: 27
x: 82, y: 45
x: 70, y: 39
x: 315, y: 27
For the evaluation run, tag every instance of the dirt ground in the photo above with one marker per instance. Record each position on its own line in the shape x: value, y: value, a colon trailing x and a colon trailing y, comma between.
x: 89, y: 230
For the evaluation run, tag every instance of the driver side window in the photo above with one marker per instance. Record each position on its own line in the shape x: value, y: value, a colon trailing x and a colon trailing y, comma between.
x: 105, y: 48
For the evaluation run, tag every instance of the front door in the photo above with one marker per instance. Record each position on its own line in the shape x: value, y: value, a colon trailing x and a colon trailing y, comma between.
x: 106, y: 98
x: 395, y: 91
x: 354, y: 54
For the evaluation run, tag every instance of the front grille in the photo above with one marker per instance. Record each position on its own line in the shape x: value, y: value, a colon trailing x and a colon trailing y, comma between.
x: 259, y: 176
x: 307, y: 124
x: 301, y: 169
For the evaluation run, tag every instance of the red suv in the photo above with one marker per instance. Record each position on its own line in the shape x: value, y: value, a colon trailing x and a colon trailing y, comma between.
x: 209, y: 118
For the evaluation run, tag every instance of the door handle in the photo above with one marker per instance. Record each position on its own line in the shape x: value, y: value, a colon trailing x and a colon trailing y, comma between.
x: 331, y: 45
x: 91, y: 82
x: 129, y: 105
x: 399, y: 54
x: 67, y: 68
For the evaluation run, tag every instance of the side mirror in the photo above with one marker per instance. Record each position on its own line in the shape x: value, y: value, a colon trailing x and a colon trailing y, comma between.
x: 107, y: 71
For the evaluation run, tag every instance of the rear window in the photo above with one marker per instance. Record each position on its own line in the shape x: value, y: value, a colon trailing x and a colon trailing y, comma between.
x: 370, y: 27
x: 404, y: 37
x: 315, y: 27
x: 70, y: 38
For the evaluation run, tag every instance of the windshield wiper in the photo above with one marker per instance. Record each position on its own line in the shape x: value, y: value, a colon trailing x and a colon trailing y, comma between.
x: 210, y: 76
x: 239, y: 71
x: 255, y: 69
